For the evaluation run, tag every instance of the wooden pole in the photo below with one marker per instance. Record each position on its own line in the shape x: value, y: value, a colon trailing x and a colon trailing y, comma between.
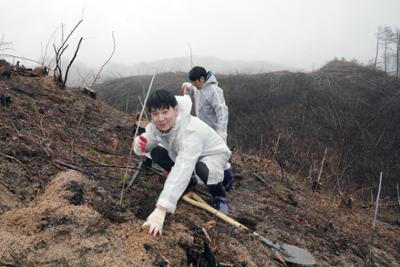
x: 377, y: 201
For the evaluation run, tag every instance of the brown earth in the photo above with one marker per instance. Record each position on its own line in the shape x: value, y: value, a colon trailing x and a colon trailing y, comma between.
x: 63, y: 156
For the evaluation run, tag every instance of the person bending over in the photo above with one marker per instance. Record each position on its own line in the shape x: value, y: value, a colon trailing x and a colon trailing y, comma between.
x: 181, y: 144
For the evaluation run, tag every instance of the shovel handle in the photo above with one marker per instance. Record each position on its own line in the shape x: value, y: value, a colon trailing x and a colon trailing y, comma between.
x: 197, y: 201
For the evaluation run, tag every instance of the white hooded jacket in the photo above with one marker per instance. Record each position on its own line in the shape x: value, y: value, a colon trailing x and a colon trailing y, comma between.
x: 210, y: 104
x: 189, y: 139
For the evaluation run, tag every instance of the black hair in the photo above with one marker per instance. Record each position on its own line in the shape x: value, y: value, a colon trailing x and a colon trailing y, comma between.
x: 161, y: 99
x: 196, y: 73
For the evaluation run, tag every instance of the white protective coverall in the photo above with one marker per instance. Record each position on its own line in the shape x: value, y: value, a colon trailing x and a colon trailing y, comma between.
x: 189, y: 141
x: 210, y: 104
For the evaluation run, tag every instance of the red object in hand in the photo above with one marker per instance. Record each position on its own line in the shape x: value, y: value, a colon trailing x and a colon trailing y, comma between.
x: 142, y: 143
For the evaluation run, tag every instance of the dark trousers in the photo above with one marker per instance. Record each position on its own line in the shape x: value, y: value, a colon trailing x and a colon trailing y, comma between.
x: 161, y: 157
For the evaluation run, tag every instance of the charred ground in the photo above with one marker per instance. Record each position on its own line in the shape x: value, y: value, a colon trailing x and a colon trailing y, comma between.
x: 63, y: 156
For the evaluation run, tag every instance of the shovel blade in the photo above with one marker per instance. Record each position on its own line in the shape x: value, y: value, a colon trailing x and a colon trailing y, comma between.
x: 296, y: 255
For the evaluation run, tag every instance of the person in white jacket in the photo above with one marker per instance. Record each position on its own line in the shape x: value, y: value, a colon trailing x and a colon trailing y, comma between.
x: 209, y: 99
x: 210, y: 107
x: 182, y: 144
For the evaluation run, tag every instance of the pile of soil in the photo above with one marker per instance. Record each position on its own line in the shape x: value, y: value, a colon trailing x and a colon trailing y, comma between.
x: 63, y: 156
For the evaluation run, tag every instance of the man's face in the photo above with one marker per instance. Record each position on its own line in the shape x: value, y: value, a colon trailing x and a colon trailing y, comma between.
x: 164, y: 118
x: 199, y: 83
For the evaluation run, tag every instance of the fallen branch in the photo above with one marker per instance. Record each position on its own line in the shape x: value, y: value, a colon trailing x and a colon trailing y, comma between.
x: 19, y: 162
x: 24, y: 58
x: 20, y: 90
x: 110, y: 166
x: 62, y: 165
x: 206, y: 234
x: 70, y: 166
x: 259, y: 177
x: 166, y: 260
x: 8, y: 188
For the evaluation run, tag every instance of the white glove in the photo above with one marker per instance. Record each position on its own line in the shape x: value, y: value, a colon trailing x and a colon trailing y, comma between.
x: 155, y: 222
x: 224, y: 135
x: 185, y: 88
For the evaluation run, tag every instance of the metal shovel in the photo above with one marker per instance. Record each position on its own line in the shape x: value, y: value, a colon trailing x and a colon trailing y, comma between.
x: 288, y: 252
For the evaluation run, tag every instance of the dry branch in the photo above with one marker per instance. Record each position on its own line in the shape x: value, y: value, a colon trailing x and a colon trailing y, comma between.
x: 70, y: 166
x: 70, y: 63
x: 105, y: 63
x: 19, y: 162
x: 279, y: 162
x: 322, y: 166
x: 57, y: 72
x: 24, y: 58
x: 377, y: 201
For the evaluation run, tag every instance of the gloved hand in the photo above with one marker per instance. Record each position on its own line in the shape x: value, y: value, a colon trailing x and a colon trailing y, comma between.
x: 185, y: 88
x: 224, y: 135
x: 155, y: 221
x: 140, y: 144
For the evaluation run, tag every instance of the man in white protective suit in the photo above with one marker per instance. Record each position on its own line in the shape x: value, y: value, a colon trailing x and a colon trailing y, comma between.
x: 183, y: 145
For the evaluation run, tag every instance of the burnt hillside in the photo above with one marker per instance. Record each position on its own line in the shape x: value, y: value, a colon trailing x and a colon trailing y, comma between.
x: 350, y: 110
x: 63, y: 156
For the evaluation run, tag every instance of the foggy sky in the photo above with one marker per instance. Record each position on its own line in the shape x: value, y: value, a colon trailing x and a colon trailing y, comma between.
x: 297, y: 33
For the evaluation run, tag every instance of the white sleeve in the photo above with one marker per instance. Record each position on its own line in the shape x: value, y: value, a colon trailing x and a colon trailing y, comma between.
x: 179, y: 177
x: 221, y: 110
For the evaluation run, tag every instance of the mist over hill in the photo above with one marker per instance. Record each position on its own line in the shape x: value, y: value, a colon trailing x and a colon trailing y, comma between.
x: 81, y: 72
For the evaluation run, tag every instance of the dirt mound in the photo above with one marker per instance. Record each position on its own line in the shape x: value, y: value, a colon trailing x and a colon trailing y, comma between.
x: 59, y: 227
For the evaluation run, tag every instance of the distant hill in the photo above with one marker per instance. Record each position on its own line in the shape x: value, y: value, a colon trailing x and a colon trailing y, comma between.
x: 215, y: 64
x: 180, y: 64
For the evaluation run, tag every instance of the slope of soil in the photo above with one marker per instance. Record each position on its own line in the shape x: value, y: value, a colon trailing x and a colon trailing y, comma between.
x: 63, y: 156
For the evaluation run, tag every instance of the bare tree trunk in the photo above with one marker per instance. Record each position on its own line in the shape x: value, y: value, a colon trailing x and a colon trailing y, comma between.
x: 388, y: 37
x: 70, y: 63
x: 377, y: 48
x: 385, y: 58
x: 398, y: 54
